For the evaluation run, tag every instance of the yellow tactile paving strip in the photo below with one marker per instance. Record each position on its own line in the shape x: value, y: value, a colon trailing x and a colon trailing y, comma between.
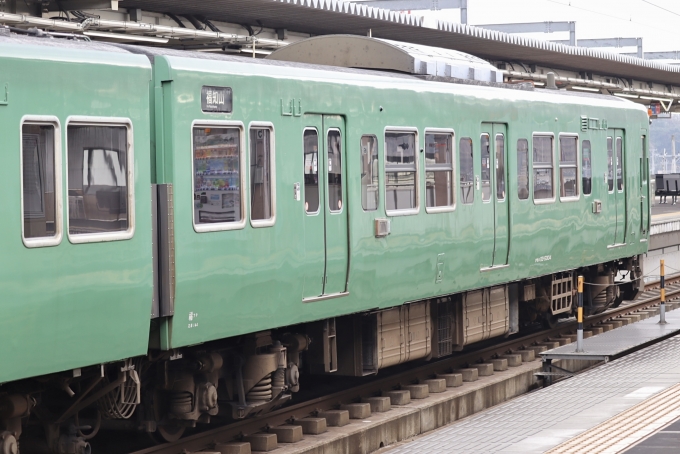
x: 627, y: 428
x: 658, y: 217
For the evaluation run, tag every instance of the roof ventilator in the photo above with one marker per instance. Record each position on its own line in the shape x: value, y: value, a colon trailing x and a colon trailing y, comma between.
x: 551, y: 85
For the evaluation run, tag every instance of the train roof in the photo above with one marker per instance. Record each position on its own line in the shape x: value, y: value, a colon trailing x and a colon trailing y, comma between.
x: 320, y: 70
x: 72, y: 50
x: 333, y: 71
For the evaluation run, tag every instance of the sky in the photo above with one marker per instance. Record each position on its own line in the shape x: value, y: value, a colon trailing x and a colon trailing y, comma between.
x: 656, y: 21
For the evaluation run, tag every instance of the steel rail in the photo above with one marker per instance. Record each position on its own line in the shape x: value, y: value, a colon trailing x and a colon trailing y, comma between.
x: 235, y: 431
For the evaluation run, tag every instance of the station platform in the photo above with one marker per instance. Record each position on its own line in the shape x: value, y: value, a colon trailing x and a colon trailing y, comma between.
x: 630, y: 404
x: 665, y: 211
x: 617, y: 342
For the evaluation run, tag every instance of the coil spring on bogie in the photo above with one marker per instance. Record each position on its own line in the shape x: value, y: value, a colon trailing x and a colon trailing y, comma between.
x: 262, y: 391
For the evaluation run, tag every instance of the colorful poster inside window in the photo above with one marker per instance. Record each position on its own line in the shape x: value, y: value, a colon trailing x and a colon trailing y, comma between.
x: 217, y: 175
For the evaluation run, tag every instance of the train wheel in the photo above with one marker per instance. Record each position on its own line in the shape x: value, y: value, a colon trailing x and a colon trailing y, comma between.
x: 167, y: 430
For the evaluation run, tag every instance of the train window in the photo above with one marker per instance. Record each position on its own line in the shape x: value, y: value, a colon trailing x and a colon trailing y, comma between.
x: 543, y: 167
x: 467, y: 171
x: 40, y: 177
x: 262, y: 203
x: 523, y: 169
x: 439, y: 170
x: 218, y: 161
x: 619, y: 164
x: 401, y: 171
x: 610, y: 164
x: 568, y: 166
x: 644, y: 170
x: 311, y: 163
x: 334, y: 170
x: 500, y: 167
x: 99, y: 172
x: 486, y: 170
x: 586, y: 168
x: 369, y: 173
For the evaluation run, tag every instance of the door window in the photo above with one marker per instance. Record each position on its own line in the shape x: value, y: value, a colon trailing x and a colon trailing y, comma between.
x: 500, y: 167
x: 486, y: 168
x: 467, y: 172
x: 334, y: 170
x: 619, y: 164
x: 311, y: 164
x: 369, y: 173
x: 610, y: 164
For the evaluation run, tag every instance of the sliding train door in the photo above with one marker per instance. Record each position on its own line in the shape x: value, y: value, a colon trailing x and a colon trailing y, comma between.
x: 324, y: 207
x: 493, y: 185
x: 645, y: 198
x: 616, y: 196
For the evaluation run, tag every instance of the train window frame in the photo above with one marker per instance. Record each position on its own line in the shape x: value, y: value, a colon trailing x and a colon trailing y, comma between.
x: 327, y: 187
x: 54, y: 240
x: 503, y: 172
x: 410, y: 130
x: 541, y: 166
x: 622, y: 181
x: 259, y: 223
x: 377, y: 172
x: 645, y: 156
x: 527, y: 166
x: 590, y: 149
x: 577, y: 166
x: 304, y: 188
x: 481, y: 168
x: 440, y: 168
x: 82, y: 238
x: 221, y: 226
x: 471, y: 190
x: 611, y: 166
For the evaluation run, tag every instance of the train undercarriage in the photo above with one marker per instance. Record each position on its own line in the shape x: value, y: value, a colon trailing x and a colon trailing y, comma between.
x: 165, y: 393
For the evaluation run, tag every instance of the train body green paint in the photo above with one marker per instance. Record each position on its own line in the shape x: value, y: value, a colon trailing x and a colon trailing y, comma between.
x: 74, y: 305
x: 239, y: 281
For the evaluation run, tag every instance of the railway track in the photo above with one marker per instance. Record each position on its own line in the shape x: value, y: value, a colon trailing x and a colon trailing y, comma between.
x: 205, y: 441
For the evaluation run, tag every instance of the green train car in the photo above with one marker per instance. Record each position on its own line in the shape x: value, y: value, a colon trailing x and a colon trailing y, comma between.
x: 185, y: 234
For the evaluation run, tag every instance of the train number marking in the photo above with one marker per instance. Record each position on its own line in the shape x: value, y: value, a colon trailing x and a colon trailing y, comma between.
x: 545, y: 258
x: 192, y: 318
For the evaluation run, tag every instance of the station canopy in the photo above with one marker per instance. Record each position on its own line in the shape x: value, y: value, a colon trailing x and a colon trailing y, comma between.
x: 323, y: 17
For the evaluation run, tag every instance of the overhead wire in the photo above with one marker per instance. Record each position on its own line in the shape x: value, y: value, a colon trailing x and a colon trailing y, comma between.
x: 629, y: 20
x: 660, y: 7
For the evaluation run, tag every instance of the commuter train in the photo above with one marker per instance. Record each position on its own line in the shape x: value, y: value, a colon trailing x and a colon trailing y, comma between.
x: 184, y: 234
